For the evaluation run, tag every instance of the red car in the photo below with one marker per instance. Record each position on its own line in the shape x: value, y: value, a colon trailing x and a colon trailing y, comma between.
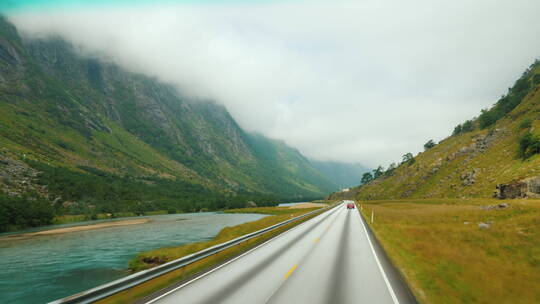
x: 350, y: 206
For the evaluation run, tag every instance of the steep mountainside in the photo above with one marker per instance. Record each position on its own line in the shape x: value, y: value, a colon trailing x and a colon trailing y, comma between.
x: 499, y: 149
x: 344, y: 174
x: 65, y: 115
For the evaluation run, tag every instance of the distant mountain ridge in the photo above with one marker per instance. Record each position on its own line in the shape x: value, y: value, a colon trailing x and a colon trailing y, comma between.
x: 62, y: 111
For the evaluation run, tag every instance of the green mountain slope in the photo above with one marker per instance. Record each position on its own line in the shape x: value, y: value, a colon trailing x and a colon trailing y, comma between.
x: 125, y: 139
x: 501, y: 146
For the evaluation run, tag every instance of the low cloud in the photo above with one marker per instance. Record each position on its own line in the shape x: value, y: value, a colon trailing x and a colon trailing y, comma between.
x: 340, y: 80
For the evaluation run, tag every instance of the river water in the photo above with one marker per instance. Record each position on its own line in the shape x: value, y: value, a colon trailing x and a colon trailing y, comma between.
x: 43, y: 268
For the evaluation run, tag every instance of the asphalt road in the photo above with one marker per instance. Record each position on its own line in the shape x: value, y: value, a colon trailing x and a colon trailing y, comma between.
x: 328, y: 259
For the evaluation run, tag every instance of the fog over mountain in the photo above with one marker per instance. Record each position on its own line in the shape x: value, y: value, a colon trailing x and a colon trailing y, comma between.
x: 344, y: 175
x: 339, y: 80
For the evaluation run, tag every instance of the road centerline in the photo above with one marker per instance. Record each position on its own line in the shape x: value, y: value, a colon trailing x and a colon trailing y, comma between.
x: 335, y: 294
x: 339, y: 210
x: 288, y: 274
x: 224, y: 292
x: 324, y: 216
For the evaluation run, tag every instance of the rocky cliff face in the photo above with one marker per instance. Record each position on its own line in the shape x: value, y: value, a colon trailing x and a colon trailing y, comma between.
x: 16, y: 177
x: 527, y: 188
x: 66, y: 109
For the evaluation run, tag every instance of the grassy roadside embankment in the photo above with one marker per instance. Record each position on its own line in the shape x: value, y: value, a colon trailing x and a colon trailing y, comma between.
x: 447, y: 258
x: 155, y: 257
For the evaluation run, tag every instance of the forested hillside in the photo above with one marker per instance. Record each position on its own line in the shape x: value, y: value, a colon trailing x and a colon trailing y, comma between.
x: 494, y: 154
x: 87, y: 136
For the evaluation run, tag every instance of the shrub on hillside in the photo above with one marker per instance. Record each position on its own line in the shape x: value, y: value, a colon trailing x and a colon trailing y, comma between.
x: 366, y: 178
x: 507, y: 102
x: 525, y: 123
x: 457, y: 130
x: 390, y: 170
x: 430, y: 144
x: 378, y: 172
x: 408, y: 159
x: 529, y: 145
x: 536, y: 79
x: 467, y: 126
x: 487, y: 118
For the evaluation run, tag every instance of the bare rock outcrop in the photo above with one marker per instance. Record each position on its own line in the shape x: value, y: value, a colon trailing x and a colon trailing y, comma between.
x: 480, y: 143
x: 16, y: 177
x: 469, y: 178
x: 526, y: 188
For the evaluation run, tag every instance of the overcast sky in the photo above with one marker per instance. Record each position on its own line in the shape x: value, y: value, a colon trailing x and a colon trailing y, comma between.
x: 354, y: 81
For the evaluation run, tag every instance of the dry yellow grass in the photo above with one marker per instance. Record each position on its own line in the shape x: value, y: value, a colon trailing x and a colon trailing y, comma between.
x: 308, y: 205
x: 446, y: 260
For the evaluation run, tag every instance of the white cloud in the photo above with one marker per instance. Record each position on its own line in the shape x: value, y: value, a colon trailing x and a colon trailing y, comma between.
x: 340, y: 80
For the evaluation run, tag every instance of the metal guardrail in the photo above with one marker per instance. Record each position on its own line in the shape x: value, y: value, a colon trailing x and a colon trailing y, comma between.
x: 111, y: 288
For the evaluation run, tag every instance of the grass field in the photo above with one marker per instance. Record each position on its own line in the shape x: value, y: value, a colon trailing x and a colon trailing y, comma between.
x: 163, y: 255
x: 447, y: 258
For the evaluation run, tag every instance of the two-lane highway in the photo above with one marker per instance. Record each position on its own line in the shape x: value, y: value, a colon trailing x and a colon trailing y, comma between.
x: 328, y: 259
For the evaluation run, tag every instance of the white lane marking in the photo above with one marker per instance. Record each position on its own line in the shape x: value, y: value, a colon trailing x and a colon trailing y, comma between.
x: 302, y: 260
x: 392, y: 294
x: 226, y: 263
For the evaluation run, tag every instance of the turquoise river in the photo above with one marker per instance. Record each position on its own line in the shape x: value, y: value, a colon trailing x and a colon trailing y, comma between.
x: 39, y: 269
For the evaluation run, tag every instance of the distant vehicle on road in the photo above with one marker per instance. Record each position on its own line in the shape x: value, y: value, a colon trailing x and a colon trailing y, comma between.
x: 350, y: 205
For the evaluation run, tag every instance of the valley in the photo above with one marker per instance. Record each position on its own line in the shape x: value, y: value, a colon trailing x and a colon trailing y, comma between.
x: 269, y: 152
x: 82, y: 136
